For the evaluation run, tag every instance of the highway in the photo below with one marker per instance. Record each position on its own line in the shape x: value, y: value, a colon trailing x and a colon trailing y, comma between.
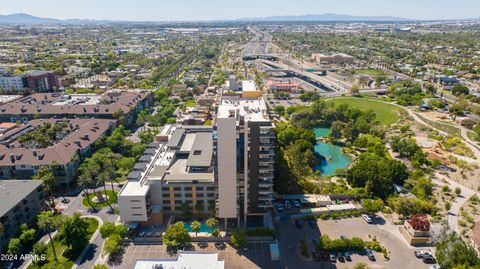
x: 329, y: 83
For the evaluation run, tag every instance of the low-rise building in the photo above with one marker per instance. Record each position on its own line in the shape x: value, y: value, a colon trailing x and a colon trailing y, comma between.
x: 66, y: 142
x: 185, y: 259
x: 20, y: 202
x: 113, y: 104
x: 179, y: 171
x: 42, y: 81
x: 333, y: 58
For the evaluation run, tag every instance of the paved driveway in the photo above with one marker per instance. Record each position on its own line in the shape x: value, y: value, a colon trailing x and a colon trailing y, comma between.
x: 401, y: 254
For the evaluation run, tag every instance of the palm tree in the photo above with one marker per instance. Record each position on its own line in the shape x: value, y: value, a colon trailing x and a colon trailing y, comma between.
x: 211, y: 223
x: 48, y: 179
x: 48, y: 222
x: 195, y: 226
x: 89, y: 176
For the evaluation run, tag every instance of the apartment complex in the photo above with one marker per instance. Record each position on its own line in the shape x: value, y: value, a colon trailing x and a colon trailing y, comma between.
x: 42, y: 81
x: 246, y: 153
x: 333, y: 59
x: 110, y: 105
x: 36, y: 81
x: 20, y: 202
x: 227, y: 168
x: 66, y: 142
x: 176, y: 172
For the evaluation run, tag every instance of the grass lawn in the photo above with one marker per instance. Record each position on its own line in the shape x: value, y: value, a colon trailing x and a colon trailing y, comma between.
x: 190, y: 103
x: 446, y: 127
x: 474, y: 136
x: 112, y: 198
x: 61, y: 250
x: 370, y: 72
x: 386, y: 113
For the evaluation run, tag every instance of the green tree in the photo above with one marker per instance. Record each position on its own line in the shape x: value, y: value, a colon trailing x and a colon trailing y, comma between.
x: 211, y: 223
x: 195, y: 226
x: 176, y: 234
x: 39, y: 249
x: 75, y: 231
x: 372, y: 206
x: 48, y: 179
x: 113, y: 245
x: 452, y: 251
x: 355, y: 89
x: 26, y: 235
x: 108, y: 228
x: 14, y: 246
x: 238, y: 239
x: 48, y: 222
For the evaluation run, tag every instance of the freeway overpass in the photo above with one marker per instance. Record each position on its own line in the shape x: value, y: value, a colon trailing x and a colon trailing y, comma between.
x: 323, y: 82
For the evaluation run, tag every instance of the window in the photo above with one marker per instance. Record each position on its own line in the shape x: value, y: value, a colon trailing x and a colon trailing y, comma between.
x: 188, y: 188
x: 176, y: 189
x: 136, y: 207
x: 137, y: 215
x: 135, y: 201
x: 197, y: 152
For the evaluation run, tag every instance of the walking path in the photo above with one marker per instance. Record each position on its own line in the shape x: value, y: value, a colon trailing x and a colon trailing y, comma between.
x: 465, y: 194
x: 91, y: 242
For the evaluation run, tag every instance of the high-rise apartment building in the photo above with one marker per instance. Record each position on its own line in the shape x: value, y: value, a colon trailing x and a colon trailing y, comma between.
x: 246, y: 154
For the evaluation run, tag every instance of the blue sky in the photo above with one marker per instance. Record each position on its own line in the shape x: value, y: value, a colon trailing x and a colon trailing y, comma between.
x: 160, y: 10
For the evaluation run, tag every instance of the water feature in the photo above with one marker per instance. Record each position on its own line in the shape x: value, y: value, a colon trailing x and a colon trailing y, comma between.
x: 334, y: 157
x: 203, y: 228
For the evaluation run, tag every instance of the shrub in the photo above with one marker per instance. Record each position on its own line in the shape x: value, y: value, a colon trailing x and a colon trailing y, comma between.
x: 304, y: 249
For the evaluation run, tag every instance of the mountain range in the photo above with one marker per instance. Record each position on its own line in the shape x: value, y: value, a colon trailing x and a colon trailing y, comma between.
x: 328, y: 17
x: 22, y: 18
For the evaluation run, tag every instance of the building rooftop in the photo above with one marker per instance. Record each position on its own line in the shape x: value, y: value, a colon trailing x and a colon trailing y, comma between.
x: 13, y: 192
x: 191, y: 260
x: 188, y: 155
x: 77, y: 135
x: 68, y: 104
x: 253, y: 109
x: 135, y: 188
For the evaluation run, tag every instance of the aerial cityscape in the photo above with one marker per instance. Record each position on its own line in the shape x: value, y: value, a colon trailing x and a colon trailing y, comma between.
x: 254, y: 134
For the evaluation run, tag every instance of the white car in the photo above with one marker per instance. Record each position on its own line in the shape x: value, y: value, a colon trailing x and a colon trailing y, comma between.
x: 296, y: 203
x: 367, y: 218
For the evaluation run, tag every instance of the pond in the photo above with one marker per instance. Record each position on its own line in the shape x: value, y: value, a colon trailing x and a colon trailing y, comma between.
x: 334, y: 157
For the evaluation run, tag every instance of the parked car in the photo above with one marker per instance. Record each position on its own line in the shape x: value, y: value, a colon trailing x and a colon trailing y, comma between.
x: 299, y: 224
x: 315, y: 242
x: 341, y: 257
x: 367, y: 218
x: 325, y: 255
x: 316, y: 256
x: 280, y: 208
x: 333, y: 258
x: 418, y: 253
x: 287, y: 204
x: 312, y: 224
x: 429, y: 259
x: 370, y: 254
x: 348, y: 257
x: 435, y: 266
x: 296, y: 204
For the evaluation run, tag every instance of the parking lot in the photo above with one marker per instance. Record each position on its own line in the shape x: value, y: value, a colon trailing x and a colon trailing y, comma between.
x: 256, y: 256
x: 401, y: 254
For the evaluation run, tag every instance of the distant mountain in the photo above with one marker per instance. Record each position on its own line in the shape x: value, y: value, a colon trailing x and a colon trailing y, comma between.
x: 22, y: 18
x: 327, y: 17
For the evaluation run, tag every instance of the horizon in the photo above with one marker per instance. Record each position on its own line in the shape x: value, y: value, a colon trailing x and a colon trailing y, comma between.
x: 213, y: 10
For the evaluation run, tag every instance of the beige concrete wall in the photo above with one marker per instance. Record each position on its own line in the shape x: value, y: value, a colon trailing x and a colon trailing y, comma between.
x: 227, y: 167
